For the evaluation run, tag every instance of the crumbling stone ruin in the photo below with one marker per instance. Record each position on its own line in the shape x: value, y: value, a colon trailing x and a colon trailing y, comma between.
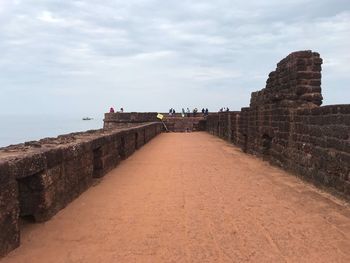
x: 284, y: 124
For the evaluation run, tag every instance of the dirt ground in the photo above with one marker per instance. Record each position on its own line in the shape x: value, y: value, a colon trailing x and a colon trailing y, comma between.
x: 191, y: 197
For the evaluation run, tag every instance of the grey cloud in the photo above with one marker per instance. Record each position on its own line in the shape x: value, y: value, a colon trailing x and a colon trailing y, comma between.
x: 138, y: 52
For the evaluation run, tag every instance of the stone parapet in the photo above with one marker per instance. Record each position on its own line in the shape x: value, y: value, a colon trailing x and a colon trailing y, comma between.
x: 39, y: 178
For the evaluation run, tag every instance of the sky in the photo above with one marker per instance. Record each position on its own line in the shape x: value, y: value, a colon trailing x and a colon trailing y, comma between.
x: 84, y: 56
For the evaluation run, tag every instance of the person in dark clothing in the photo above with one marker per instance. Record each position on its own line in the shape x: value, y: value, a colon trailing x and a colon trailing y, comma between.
x: 206, y: 111
x: 111, y: 110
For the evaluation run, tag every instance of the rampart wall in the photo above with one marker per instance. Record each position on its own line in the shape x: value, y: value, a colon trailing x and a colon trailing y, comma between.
x: 185, y: 124
x: 113, y: 120
x: 174, y: 123
x: 286, y: 125
x: 283, y: 124
x: 37, y: 179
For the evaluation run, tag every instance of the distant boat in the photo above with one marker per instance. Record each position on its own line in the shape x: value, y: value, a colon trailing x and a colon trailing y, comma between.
x: 87, y: 119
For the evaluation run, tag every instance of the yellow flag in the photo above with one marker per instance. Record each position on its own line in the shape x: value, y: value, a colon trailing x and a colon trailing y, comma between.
x: 160, y: 116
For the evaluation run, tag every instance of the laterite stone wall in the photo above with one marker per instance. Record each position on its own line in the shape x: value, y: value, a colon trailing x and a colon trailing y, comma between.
x: 174, y: 123
x: 286, y: 125
x: 37, y: 179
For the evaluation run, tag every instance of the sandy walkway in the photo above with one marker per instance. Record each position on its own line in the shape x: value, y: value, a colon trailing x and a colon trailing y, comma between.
x: 193, y: 198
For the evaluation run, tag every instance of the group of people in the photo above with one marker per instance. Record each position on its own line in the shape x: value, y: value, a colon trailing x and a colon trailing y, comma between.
x: 111, y: 110
x: 205, y: 111
x: 188, y: 112
x: 224, y: 109
x: 171, y: 112
x: 184, y: 113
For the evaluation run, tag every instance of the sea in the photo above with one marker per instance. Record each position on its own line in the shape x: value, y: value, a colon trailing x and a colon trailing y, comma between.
x: 16, y: 129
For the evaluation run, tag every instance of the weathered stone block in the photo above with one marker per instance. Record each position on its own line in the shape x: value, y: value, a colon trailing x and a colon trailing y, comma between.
x: 9, y: 230
x: 9, y: 210
x: 27, y: 165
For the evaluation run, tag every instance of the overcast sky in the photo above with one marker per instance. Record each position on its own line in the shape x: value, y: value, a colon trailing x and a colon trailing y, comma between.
x: 81, y: 57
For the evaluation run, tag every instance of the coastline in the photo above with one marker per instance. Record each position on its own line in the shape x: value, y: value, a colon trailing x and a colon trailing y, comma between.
x: 16, y: 129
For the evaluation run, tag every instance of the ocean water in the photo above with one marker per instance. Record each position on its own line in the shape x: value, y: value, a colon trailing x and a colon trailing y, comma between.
x: 18, y: 129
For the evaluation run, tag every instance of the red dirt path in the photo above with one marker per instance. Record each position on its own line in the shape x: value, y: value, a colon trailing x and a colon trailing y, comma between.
x: 190, y: 197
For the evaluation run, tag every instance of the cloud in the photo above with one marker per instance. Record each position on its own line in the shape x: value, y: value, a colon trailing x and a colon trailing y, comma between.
x: 46, y: 16
x: 138, y: 52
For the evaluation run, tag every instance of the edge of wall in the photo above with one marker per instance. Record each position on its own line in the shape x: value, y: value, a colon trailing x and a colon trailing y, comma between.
x: 39, y: 178
x: 285, y: 125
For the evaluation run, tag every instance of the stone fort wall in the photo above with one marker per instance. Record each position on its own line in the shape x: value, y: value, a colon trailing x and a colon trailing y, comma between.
x: 173, y: 123
x: 283, y: 124
x: 37, y: 179
x: 286, y: 125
